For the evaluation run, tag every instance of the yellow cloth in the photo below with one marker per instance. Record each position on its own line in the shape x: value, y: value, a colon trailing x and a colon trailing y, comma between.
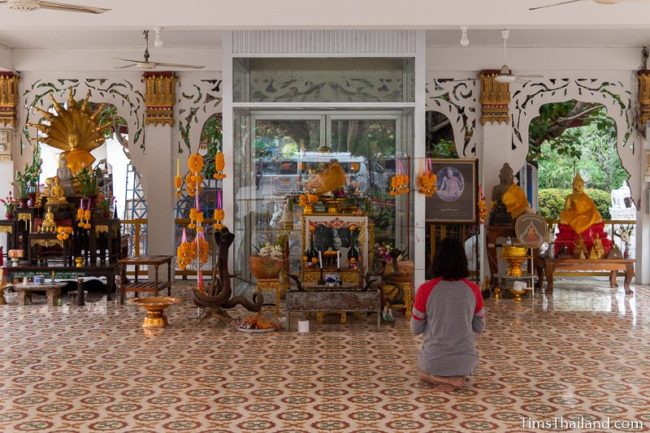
x: 580, y: 212
x: 78, y: 159
x: 515, y: 200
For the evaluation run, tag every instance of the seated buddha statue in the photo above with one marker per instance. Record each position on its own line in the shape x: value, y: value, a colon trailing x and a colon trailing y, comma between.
x: 508, y: 199
x: 48, y: 225
x: 64, y: 174
x: 579, y: 212
x: 57, y: 192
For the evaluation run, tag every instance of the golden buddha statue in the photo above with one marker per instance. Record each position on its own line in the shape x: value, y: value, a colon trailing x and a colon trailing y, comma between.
x: 57, y: 192
x: 47, y: 188
x: 579, y: 212
x: 48, y: 225
x: 76, y: 130
x: 508, y: 195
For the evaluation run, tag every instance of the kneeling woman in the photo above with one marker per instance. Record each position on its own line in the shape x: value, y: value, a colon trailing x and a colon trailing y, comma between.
x: 448, y: 310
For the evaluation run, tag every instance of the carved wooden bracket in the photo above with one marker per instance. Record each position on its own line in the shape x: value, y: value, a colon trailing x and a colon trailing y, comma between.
x: 160, y: 96
x: 8, y: 98
x: 495, y: 98
x: 644, y: 99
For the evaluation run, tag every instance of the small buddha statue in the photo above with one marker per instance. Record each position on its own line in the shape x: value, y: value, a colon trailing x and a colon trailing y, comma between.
x: 47, y: 188
x: 598, y: 247
x: 57, y: 192
x: 64, y: 174
x: 48, y: 225
x: 580, y: 249
x: 508, y: 199
x: 579, y: 212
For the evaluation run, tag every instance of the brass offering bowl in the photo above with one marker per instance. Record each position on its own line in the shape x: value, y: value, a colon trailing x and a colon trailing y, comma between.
x: 155, y: 307
x: 515, y: 256
x: 518, y: 293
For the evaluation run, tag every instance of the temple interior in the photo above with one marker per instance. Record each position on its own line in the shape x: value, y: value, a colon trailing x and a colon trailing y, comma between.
x: 324, y: 216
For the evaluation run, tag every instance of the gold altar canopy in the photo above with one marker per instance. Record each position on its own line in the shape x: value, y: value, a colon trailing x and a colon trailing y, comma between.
x: 75, y: 129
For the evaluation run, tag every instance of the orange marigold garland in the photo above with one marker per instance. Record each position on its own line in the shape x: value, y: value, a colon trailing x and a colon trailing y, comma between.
x: 427, y: 180
x: 399, y: 183
x: 482, y: 205
x: 219, y: 165
x: 84, y: 216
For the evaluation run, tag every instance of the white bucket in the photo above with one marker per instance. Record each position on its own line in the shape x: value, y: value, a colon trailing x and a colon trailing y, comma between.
x: 303, y: 325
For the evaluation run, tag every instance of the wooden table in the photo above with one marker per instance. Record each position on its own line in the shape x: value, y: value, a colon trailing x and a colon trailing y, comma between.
x: 66, y: 273
x: 571, y: 264
x: 315, y: 301
x: 145, y: 286
x: 52, y: 290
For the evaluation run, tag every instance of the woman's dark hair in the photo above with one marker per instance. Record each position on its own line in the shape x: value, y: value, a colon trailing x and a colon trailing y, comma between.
x: 450, y: 261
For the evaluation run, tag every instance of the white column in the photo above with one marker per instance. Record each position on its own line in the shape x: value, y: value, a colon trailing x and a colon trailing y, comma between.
x: 228, y: 195
x: 419, y: 152
x: 496, y: 149
x: 158, y: 183
x: 642, y: 266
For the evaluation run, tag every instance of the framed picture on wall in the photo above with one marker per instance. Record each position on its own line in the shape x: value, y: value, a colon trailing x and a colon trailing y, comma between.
x: 457, y: 192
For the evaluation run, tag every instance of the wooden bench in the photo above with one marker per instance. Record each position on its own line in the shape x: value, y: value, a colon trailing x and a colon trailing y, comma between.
x: 313, y: 301
x: 571, y: 264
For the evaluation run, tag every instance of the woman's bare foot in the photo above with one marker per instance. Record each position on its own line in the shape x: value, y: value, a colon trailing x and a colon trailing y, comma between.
x: 453, y: 381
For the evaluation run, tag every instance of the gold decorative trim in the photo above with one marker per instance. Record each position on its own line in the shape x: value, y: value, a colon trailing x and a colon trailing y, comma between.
x: 27, y: 217
x: 101, y: 228
x: 46, y: 242
x: 8, y: 98
x: 495, y: 99
x: 160, y: 97
x: 6, y: 229
x: 644, y: 99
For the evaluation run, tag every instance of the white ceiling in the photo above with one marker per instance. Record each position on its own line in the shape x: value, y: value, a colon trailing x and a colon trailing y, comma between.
x: 197, y: 23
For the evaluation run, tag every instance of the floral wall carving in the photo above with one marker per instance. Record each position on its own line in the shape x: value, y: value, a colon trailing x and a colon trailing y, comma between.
x: 197, y: 100
x: 615, y: 95
x: 126, y: 94
x: 457, y: 98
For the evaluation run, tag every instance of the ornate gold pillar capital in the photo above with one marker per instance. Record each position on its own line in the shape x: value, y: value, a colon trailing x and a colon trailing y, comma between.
x: 644, y: 98
x: 160, y: 96
x: 8, y: 98
x: 495, y: 98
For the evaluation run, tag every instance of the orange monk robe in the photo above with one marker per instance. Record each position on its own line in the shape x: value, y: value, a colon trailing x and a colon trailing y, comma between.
x: 515, y: 201
x: 581, y: 214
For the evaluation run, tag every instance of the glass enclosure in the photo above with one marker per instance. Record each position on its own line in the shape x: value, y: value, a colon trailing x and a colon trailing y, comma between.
x: 277, y: 150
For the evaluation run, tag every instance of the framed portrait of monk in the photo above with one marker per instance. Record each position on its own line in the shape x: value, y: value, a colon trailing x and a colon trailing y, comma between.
x: 456, y: 196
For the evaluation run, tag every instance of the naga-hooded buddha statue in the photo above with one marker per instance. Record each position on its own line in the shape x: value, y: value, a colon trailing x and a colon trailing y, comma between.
x: 75, y: 129
x: 581, y: 221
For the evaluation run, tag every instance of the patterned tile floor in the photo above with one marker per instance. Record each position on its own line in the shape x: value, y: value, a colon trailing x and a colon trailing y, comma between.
x: 580, y: 356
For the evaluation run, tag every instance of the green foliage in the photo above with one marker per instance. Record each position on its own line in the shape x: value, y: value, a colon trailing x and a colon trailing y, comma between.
x: 551, y: 202
x: 443, y: 149
x: 211, y: 136
x: 571, y: 136
x: 27, y: 179
x: 88, y: 180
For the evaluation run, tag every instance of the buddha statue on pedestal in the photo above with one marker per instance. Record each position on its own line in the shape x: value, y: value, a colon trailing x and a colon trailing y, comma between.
x: 579, y: 212
x: 508, y: 199
x: 48, y: 225
x: 581, y: 226
x: 64, y: 174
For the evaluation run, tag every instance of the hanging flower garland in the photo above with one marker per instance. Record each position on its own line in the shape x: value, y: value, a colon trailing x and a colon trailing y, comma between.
x: 482, y: 205
x: 197, y: 250
x: 427, y: 180
x: 84, y: 216
x: 399, y: 183
x: 219, y: 214
x: 219, y: 166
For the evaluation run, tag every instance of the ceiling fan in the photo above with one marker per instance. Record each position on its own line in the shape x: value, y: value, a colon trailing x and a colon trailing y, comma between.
x: 146, y: 65
x: 601, y: 2
x: 505, y: 74
x: 33, y: 5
